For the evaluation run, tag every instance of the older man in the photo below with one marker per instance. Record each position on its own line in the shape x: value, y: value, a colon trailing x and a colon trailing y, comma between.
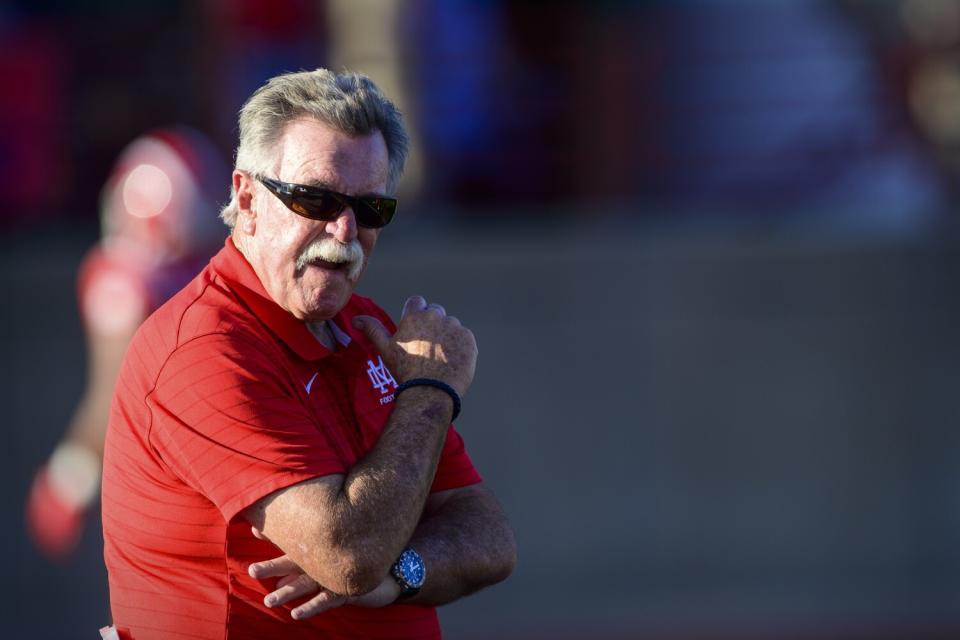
x: 270, y: 423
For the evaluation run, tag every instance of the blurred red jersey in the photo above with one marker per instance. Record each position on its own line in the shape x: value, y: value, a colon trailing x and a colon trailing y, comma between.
x: 116, y: 294
x: 224, y: 398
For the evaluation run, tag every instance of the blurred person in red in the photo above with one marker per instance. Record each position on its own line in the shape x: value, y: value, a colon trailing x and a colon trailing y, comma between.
x: 269, y: 423
x: 158, y: 217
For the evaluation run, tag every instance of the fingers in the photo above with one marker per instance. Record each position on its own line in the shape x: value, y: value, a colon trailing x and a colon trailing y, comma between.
x: 289, y: 579
x: 290, y: 588
x: 272, y: 568
x: 378, y: 334
x: 413, y: 303
x: 374, y: 330
x: 432, y: 344
x: 418, y: 303
x: 323, y: 601
x: 428, y: 343
x: 257, y: 533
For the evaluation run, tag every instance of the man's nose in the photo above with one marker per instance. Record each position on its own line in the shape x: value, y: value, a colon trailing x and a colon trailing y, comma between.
x: 344, y: 226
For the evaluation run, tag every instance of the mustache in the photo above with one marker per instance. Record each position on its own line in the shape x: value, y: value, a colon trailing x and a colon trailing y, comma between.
x: 330, y: 250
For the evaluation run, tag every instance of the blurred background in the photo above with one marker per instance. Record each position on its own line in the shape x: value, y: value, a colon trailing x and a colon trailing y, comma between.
x: 709, y: 249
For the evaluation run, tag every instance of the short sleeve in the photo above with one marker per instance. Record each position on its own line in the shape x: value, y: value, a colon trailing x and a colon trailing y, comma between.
x: 230, y: 422
x: 455, y: 468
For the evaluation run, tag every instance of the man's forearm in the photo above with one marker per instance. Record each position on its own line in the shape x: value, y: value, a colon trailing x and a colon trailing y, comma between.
x: 383, y: 495
x: 466, y: 545
x: 464, y: 539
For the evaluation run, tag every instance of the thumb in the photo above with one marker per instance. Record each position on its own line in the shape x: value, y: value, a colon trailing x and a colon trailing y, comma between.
x: 374, y: 329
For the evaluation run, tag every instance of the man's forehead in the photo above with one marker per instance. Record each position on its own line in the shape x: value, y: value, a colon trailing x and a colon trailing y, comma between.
x: 311, y: 152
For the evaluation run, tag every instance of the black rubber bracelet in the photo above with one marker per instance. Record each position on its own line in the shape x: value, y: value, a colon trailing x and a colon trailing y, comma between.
x: 430, y: 382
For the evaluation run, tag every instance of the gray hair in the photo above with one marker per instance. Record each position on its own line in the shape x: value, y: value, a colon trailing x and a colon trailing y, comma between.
x: 349, y: 102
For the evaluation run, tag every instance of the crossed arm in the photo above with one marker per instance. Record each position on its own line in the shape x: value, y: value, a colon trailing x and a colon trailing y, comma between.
x: 341, y: 533
x: 465, y: 542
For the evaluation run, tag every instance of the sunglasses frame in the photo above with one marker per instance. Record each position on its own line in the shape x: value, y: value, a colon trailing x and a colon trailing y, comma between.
x: 380, y: 207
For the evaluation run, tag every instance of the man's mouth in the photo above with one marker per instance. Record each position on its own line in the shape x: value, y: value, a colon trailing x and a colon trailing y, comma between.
x: 329, y: 266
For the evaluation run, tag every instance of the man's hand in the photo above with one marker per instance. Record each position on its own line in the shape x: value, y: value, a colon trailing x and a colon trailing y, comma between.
x: 294, y: 583
x: 428, y: 344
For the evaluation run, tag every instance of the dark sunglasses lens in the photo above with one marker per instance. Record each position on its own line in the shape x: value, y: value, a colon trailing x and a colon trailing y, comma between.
x: 375, y: 212
x: 321, y: 206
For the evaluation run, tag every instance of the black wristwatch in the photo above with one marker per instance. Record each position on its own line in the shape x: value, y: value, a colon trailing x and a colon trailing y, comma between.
x: 409, y: 572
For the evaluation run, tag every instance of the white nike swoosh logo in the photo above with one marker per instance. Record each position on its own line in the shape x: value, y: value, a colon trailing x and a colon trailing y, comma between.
x: 310, y: 383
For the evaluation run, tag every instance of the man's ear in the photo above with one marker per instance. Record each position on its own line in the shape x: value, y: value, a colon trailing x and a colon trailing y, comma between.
x: 243, y: 185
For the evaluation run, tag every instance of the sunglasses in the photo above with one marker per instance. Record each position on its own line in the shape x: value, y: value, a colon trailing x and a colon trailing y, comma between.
x: 318, y: 203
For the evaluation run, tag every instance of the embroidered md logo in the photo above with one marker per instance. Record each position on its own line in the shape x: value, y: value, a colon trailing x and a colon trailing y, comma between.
x: 380, y: 376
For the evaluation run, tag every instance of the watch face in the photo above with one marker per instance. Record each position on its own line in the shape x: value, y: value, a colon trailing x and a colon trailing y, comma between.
x: 411, y: 568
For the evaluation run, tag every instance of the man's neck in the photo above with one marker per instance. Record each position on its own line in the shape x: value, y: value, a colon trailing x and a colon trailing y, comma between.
x: 323, y: 333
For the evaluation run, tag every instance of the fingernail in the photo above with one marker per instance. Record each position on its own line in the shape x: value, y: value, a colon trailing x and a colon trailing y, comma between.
x: 252, y: 570
x: 270, y: 600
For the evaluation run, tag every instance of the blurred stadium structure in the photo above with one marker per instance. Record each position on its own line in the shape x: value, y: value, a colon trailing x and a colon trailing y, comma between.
x: 709, y: 249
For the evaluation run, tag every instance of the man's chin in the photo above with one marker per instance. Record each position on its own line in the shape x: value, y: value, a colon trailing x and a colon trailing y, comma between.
x: 326, y: 304
x: 324, y: 292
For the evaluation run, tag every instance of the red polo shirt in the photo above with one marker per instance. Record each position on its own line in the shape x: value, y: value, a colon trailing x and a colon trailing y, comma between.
x: 222, y: 399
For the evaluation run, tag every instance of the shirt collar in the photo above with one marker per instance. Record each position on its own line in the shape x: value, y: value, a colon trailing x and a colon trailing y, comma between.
x: 233, y: 267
